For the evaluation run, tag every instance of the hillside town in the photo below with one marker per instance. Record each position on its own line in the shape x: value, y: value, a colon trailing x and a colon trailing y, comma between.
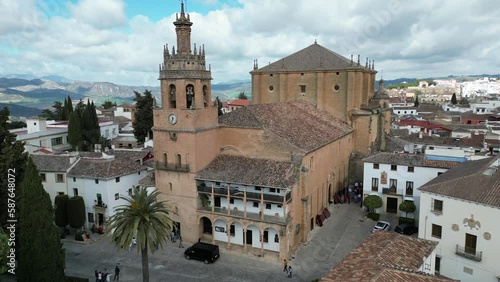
x: 268, y: 178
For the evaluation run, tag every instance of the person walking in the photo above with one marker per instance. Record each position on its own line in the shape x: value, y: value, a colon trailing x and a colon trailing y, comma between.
x: 117, y: 274
x: 289, y: 271
x: 99, y: 276
x: 180, y: 242
x: 132, y: 246
x: 96, y: 276
x: 285, y: 265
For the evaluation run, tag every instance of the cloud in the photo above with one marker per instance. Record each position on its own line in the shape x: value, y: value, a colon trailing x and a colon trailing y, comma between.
x: 95, y: 40
x: 99, y: 13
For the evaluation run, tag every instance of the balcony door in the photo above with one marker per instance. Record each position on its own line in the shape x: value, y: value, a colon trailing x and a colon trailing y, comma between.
x: 470, y: 244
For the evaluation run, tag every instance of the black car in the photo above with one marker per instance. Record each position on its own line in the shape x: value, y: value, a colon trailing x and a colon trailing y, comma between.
x: 207, y: 253
x: 407, y: 229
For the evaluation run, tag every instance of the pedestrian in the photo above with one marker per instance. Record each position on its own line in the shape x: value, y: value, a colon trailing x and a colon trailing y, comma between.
x: 117, y: 274
x: 289, y: 271
x: 285, y: 265
x: 105, y: 274
x: 96, y: 276
x: 134, y: 243
x: 99, y: 276
x: 180, y: 242
x: 173, y: 237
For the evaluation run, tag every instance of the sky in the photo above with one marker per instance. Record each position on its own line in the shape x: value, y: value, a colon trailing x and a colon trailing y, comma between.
x: 121, y: 41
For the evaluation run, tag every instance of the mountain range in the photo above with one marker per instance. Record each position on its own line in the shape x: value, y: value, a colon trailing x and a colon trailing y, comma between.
x: 25, y: 94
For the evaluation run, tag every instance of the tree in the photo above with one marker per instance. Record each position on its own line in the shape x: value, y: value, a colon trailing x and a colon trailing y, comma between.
x: 218, y: 103
x: 61, y: 216
x: 407, y: 207
x: 41, y: 256
x: 12, y: 161
x: 75, y: 136
x: 372, y: 202
x: 91, y: 130
x: 416, y: 102
x: 145, y: 218
x: 67, y: 108
x: 454, y: 99
x: 143, y: 115
x: 16, y: 124
x: 4, y: 251
x: 242, y: 96
x: 108, y: 105
x: 75, y: 209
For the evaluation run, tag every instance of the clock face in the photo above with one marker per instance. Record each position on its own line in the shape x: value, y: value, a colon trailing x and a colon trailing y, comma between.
x: 172, y: 119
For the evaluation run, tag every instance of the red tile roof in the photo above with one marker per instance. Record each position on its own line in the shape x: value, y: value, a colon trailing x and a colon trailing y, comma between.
x: 240, y: 102
x: 385, y: 256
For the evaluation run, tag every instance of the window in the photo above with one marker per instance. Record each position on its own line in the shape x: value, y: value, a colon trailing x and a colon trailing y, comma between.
x: 336, y: 87
x: 74, y: 179
x: 91, y: 217
x: 409, y: 188
x: 279, y: 206
x: 178, y: 161
x: 393, y: 185
x: 376, y: 166
x: 271, y: 88
x: 232, y: 231
x: 117, y: 179
x: 130, y: 191
x: 257, y: 188
x: 265, y: 236
x: 117, y: 196
x: 411, y: 169
x: 231, y: 201
x: 438, y: 264
x: 302, y: 89
x: 268, y: 206
x: 60, y: 193
x: 255, y: 204
x: 276, y: 238
x: 272, y: 190
x: 394, y: 167
x: 138, y: 173
x: 43, y: 177
x: 375, y: 184
x: 75, y: 192
x: 96, y: 181
x: 59, y: 178
x: 470, y: 243
x: 56, y: 141
x: 172, y: 96
x: 436, y: 231
x: 437, y: 206
x: 189, y: 96
x: 170, y: 185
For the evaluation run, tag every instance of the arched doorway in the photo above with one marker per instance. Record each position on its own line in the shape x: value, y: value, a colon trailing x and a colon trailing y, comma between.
x: 205, y: 229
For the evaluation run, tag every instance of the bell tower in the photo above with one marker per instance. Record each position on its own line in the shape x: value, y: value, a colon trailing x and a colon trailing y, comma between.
x: 185, y: 126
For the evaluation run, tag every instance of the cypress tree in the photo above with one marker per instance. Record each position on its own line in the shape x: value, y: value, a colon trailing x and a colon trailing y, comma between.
x: 12, y: 156
x: 454, y: 99
x: 143, y: 115
x: 60, y: 204
x: 76, y: 212
x: 75, y: 137
x: 90, y: 126
x: 41, y: 256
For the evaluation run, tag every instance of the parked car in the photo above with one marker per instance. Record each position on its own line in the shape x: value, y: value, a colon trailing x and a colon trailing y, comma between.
x: 381, y: 225
x: 407, y: 229
x: 207, y: 253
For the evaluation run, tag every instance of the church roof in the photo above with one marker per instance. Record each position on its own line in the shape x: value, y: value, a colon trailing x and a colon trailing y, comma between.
x: 250, y: 171
x: 312, y: 58
x: 297, y: 123
x: 104, y: 168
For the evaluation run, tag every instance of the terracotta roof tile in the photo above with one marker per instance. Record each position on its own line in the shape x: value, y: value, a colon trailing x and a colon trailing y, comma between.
x: 313, y: 57
x: 385, y: 256
x: 149, y: 180
x: 250, y: 171
x: 473, y: 181
x: 51, y: 163
x: 240, y: 102
x: 409, y: 160
x: 104, y: 168
x: 297, y: 123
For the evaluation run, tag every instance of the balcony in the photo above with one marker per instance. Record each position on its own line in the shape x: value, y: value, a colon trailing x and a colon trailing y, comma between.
x: 172, y: 166
x: 392, y: 191
x: 470, y: 253
x: 100, y: 204
x: 251, y: 216
x: 250, y: 195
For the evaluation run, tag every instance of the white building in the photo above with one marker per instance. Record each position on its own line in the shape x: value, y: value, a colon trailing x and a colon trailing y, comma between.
x: 401, y: 111
x: 396, y: 177
x: 100, y: 181
x: 460, y: 210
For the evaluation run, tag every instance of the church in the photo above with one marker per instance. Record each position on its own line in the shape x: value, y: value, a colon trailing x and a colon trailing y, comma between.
x: 259, y: 179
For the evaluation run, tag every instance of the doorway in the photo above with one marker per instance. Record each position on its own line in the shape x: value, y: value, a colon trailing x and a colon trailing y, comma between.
x: 249, y: 237
x: 217, y: 202
x: 392, y: 205
x: 100, y: 218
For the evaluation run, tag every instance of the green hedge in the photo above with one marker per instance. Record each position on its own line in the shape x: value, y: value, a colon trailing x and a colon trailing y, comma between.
x: 76, y: 212
x: 374, y: 216
x: 61, y: 216
x: 406, y: 220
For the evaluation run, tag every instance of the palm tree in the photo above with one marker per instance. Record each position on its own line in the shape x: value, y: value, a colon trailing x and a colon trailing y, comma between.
x: 145, y: 218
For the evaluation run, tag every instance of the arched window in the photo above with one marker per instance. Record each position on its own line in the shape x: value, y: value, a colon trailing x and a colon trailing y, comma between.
x: 276, y: 238
x: 165, y: 159
x: 189, y: 96
x: 178, y: 161
x: 205, y: 96
x: 172, y: 97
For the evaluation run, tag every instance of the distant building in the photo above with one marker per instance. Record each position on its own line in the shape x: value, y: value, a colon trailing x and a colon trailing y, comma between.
x: 236, y: 104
